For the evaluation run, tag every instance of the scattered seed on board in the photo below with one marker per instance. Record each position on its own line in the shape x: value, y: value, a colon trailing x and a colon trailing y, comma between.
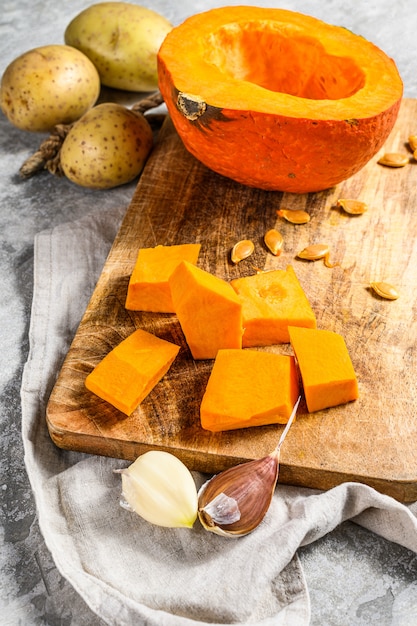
x: 394, y: 159
x: 353, y: 207
x: 274, y: 241
x: 295, y: 217
x: 241, y: 250
x: 412, y: 142
x: 385, y: 290
x: 315, y: 252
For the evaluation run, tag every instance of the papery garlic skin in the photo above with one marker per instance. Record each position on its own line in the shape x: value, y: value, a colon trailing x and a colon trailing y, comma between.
x: 161, y: 489
x: 222, y: 509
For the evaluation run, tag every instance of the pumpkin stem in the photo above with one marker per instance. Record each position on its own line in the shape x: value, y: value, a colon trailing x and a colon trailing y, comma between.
x: 192, y: 107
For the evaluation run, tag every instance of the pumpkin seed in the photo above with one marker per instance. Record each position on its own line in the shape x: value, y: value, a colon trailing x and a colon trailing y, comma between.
x: 241, y: 250
x: 315, y: 252
x: 412, y: 142
x: 295, y: 217
x: 274, y: 241
x: 353, y: 207
x: 394, y: 159
x: 385, y: 290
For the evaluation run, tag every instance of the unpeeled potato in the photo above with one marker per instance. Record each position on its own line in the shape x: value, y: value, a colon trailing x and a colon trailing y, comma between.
x: 48, y: 85
x: 107, y: 147
x: 122, y: 40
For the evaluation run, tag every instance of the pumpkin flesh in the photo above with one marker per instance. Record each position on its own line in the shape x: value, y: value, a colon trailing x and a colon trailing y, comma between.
x: 276, y: 99
x: 148, y: 288
x: 129, y: 372
x: 249, y: 388
x: 208, y: 309
x: 326, y: 369
x: 272, y: 301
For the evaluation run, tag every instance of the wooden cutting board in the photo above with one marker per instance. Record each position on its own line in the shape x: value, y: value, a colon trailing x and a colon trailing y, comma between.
x: 178, y: 200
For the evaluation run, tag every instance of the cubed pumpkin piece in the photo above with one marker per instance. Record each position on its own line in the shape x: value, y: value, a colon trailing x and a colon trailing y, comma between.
x: 249, y: 388
x: 148, y: 288
x: 326, y: 369
x: 208, y: 309
x: 127, y: 374
x: 271, y: 302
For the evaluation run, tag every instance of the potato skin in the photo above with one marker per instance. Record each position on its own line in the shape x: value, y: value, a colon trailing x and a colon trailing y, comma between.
x: 122, y: 40
x: 49, y: 85
x: 107, y: 147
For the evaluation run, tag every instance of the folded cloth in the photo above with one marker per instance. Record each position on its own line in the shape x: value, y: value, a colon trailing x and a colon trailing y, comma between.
x: 127, y: 570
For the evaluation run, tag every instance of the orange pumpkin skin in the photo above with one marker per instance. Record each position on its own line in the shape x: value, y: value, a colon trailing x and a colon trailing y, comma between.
x: 307, y: 138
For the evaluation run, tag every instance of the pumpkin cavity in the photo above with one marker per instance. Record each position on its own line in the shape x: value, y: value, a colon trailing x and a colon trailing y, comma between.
x: 279, y: 59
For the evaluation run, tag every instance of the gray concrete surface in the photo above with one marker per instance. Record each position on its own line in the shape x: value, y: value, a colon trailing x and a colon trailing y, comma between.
x: 354, y: 577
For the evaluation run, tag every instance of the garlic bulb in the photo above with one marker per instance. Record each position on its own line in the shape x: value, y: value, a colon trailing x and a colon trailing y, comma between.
x: 161, y: 489
x: 234, y: 502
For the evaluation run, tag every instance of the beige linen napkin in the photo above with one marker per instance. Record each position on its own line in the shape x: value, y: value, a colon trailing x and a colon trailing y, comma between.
x: 129, y: 571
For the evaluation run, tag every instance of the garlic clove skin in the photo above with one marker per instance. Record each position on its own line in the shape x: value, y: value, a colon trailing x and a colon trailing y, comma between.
x: 234, y: 502
x: 161, y: 489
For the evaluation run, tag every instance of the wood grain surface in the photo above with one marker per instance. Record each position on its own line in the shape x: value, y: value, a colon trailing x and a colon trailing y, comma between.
x: 178, y: 200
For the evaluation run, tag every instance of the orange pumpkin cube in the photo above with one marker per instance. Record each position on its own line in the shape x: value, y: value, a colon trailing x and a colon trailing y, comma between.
x: 129, y: 372
x: 271, y: 302
x: 208, y: 309
x: 148, y: 288
x: 249, y: 388
x: 326, y: 369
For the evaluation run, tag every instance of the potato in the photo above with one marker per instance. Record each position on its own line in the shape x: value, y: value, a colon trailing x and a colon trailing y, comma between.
x: 107, y: 147
x: 46, y: 86
x: 122, y: 40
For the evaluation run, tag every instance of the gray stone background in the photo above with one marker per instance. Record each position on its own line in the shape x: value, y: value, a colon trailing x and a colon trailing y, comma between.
x: 355, y: 578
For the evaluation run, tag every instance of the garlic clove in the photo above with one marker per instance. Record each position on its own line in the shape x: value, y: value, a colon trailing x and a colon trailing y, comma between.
x: 161, y: 489
x: 234, y: 502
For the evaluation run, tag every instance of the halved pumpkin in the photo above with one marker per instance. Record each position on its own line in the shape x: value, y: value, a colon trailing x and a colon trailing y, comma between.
x: 276, y: 99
